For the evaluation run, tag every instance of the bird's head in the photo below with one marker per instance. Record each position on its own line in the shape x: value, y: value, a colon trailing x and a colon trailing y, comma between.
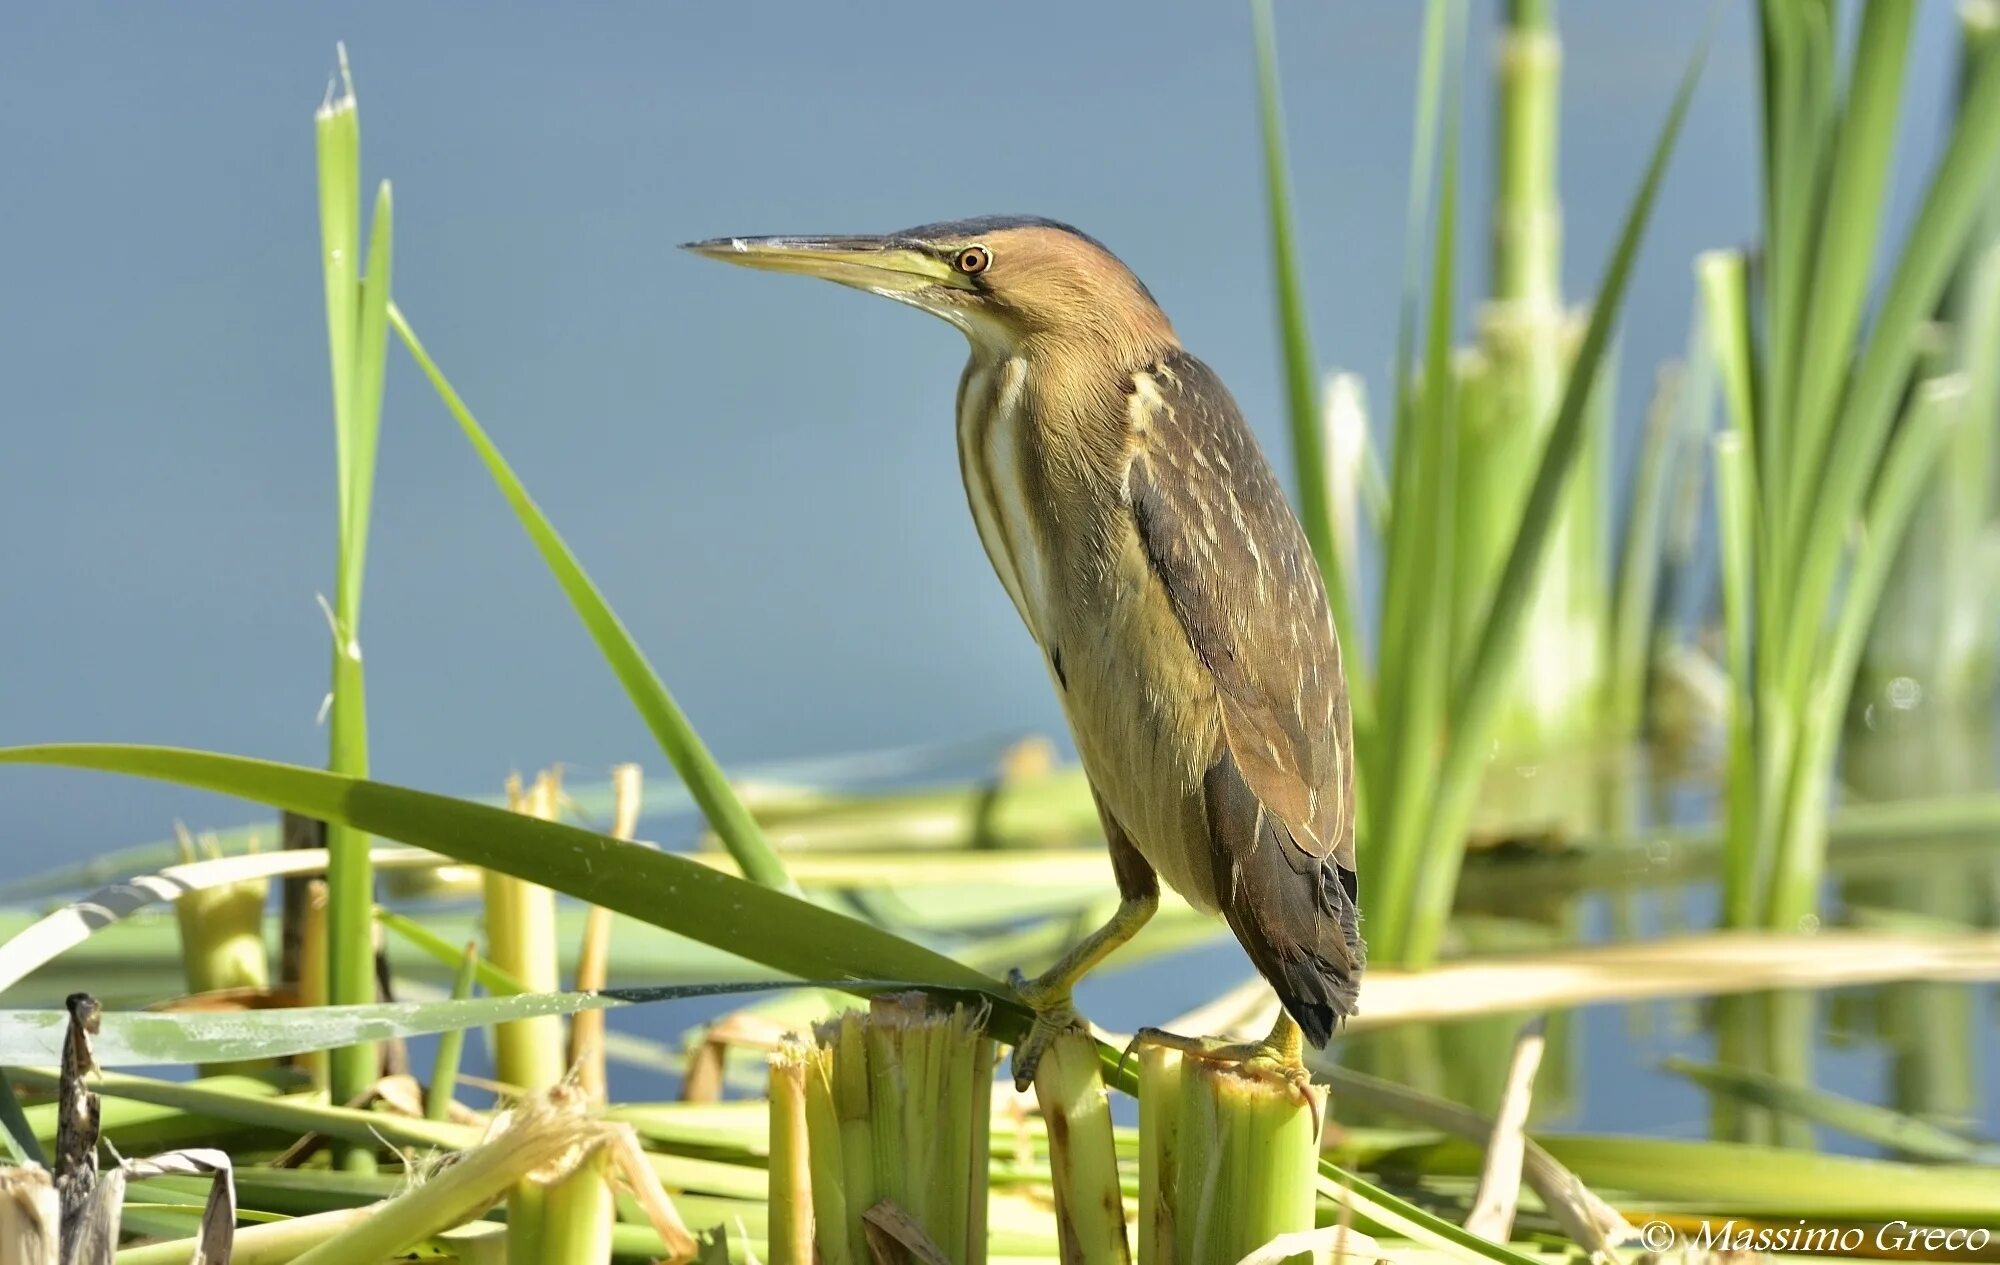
x: 1006, y: 281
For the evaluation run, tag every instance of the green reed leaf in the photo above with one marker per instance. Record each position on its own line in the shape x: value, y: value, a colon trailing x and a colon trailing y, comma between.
x: 677, y: 738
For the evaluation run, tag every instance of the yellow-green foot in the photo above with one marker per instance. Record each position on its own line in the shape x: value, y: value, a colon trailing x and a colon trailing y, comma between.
x: 1054, y: 1015
x: 1274, y: 1057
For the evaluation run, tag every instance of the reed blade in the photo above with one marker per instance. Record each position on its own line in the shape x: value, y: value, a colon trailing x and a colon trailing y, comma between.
x: 1302, y: 398
x: 677, y: 738
x: 1478, y: 694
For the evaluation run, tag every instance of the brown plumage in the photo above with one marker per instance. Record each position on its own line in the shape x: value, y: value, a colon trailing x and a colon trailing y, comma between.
x: 1133, y: 519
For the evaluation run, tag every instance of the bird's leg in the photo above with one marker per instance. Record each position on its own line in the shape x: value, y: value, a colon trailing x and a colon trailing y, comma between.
x: 1048, y: 994
x: 1281, y: 1054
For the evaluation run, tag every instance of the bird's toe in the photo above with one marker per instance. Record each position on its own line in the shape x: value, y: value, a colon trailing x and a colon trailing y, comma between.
x: 1052, y: 1019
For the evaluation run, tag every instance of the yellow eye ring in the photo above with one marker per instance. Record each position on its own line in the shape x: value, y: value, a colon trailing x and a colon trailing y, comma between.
x: 973, y: 260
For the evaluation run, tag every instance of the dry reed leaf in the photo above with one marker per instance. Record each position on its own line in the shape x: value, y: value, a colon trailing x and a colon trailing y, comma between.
x: 30, y: 1216
x: 92, y: 1239
x: 1499, y: 1192
x: 643, y: 1181
x: 1588, y: 1220
x: 895, y: 1239
x: 78, y: 921
x: 401, y: 1094
x: 1687, y: 966
x: 214, y: 1241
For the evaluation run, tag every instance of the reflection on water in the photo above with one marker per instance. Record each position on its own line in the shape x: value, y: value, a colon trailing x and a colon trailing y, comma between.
x: 1925, y: 1049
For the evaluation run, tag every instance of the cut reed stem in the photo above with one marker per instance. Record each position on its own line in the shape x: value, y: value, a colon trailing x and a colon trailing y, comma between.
x: 1234, y: 1163
x: 793, y: 1185
x: 529, y: 1054
x: 894, y: 1106
x: 826, y: 1158
x: 1090, y: 1202
x: 1159, y: 1153
x: 578, y: 1213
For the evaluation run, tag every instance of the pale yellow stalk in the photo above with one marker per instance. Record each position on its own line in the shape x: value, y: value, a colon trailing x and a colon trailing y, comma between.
x: 529, y: 1054
x: 586, y: 1029
x: 791, y: 1192
x: 313, y: 971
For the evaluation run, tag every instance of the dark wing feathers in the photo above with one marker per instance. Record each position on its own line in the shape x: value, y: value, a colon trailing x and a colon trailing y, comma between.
x: 1280, y: 791
x: 1294, y: 913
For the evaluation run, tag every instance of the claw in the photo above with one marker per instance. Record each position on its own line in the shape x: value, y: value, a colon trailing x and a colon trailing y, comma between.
x: 1257, y: 1058
x: 1131, y: 1047
x: 1054, y: 1015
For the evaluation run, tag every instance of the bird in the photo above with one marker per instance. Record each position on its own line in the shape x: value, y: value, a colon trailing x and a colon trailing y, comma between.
x: 1146, y: 543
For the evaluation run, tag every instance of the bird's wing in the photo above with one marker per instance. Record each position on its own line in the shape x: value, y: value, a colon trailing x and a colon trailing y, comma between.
x: 1223, y: 543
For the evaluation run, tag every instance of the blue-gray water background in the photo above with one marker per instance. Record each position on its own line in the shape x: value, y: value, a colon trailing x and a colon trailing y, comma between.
x: 759, y: 471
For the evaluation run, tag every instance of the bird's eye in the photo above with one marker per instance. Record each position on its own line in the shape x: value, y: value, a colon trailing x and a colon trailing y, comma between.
x: 972, y: 260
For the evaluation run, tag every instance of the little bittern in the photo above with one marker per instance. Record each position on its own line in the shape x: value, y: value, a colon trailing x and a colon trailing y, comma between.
x: 1134, y: 521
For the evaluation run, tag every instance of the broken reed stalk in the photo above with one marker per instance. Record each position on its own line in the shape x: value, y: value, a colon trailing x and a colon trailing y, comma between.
x: 533, y: 1138
x: 833, y: 1200
x: 1083, y: 1159
x: 890, y: 1106
x: 586, y: 1028
x: 793, y: 1214
x: 1228, y: 1159
x: 578, y: 1213
x: 569, y: 1218
x: 1498, y: 1196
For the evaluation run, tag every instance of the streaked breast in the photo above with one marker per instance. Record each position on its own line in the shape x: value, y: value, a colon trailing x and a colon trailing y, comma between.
x: 995, y: 452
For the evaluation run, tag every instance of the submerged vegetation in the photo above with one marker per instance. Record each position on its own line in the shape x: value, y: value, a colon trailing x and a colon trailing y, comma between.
x: 851, y: 1115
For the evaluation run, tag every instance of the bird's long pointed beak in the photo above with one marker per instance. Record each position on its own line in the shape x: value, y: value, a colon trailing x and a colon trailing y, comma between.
x: 885, y: 265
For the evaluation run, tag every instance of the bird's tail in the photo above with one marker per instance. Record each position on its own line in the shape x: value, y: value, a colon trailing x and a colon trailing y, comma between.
x: 1296, y: 914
